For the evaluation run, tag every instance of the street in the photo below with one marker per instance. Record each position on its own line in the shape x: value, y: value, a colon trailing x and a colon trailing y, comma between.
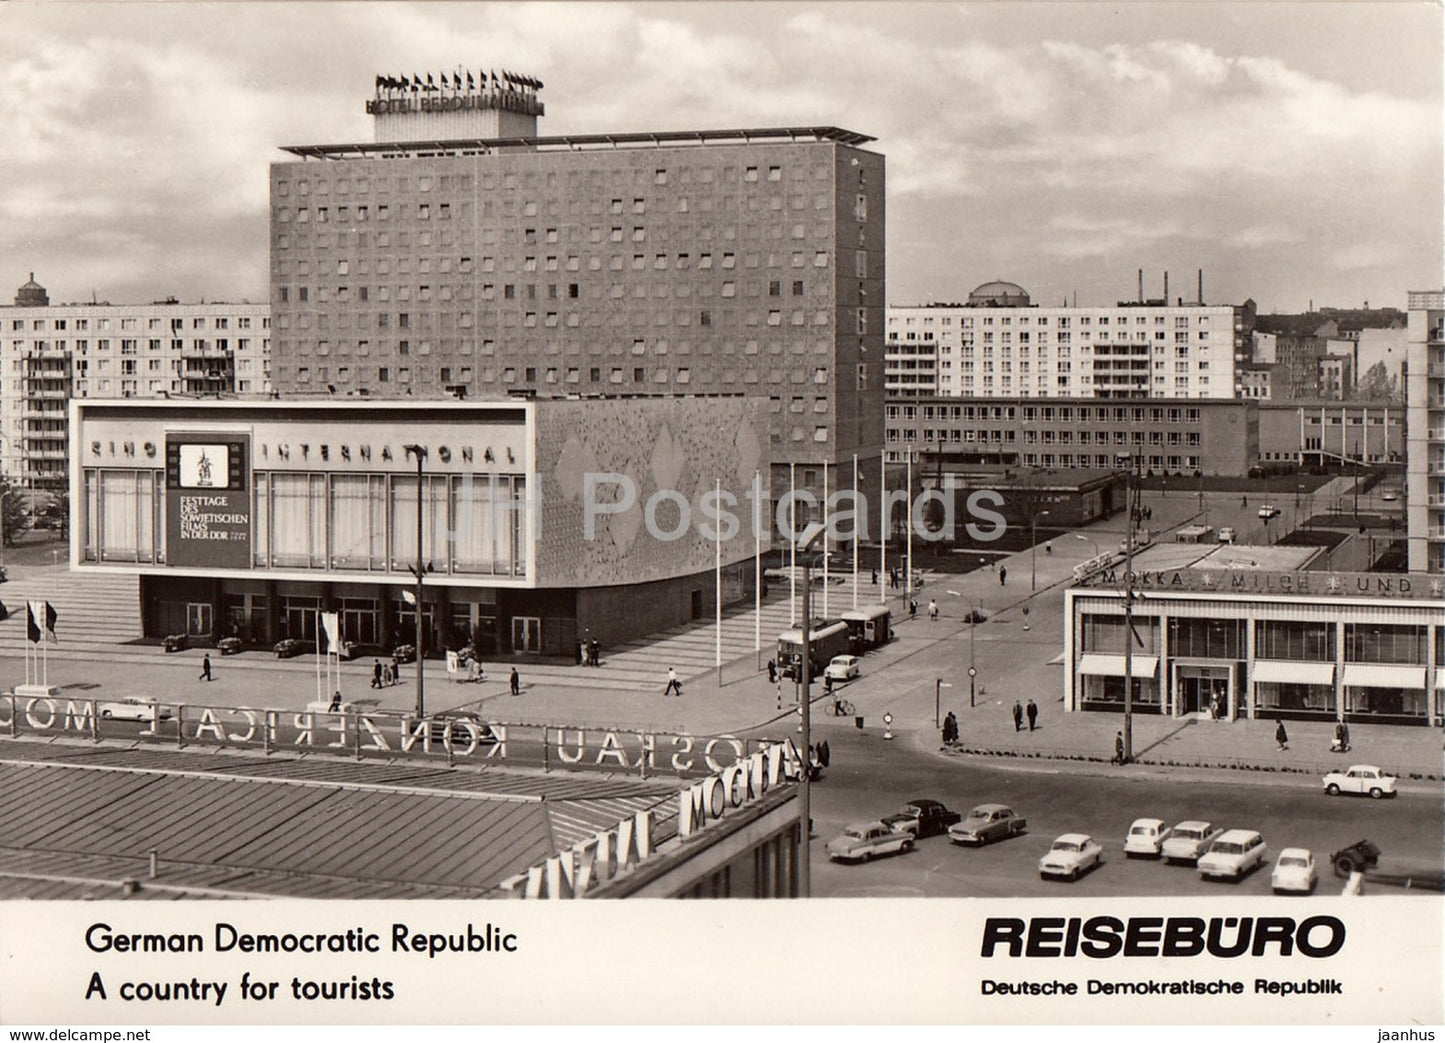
x: 870, y: 777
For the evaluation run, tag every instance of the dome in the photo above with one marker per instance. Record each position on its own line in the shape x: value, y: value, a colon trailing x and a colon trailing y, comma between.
x: 999, y: 294
x: 31, y: 295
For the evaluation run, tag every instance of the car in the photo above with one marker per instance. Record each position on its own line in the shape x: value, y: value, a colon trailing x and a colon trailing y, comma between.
x: 1227, y: 534
x: 133, y: 708
x: 1269, y: 511
x: 864, y: 840
x: 289, y: 647
x: 1188, y: 840
x: 463, y: 728
x: 922, y: 818
x: 1070, y: 855
x: 1390, y: 495
x: 1361, y: 779
x: 404, y: 653
x: 1294, y: 871
x: 230, y: 646
x: 1233, y: 853
x: 1146, y: 837
x: 841, y: 668
x: 986, y: 823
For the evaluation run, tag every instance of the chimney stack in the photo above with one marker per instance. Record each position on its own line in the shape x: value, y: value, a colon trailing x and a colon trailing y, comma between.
x: 1141, y: 285
x: 1201, y: 287
x: 1166, y: 288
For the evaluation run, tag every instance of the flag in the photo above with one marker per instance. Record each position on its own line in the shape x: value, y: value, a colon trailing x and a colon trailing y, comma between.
x: 470, y: 82
x: 40, y: 621
x: 408, y: 597
x: 4, y: 612
x: 331, y: 626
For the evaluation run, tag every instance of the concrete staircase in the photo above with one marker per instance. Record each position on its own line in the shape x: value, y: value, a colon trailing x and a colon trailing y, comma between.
x: 92, y: 610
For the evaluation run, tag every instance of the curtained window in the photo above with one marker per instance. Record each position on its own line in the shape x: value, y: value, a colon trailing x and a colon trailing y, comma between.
x: 350, y: 522
x: 119, y: 525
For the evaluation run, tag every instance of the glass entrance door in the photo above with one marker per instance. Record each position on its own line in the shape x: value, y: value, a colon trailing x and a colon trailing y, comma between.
x: 526, y: 634
x: 198, y: 619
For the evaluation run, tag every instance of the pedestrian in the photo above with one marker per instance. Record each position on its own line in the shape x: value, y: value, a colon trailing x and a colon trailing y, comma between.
x: 581, y: 652
x: 1280, y: 735
x: 1345, y: 735
x: 1118, y: 747
x: 1002, y: 575
x: 674, y: 687
x: 824, y: 754
x: 1033, y: 714
x: 933, y: 609
x: 950, y: 724
x: 594, y: 650
x: 912, y: 608
x: 828, y: 685
x: 376, y: 673
x: 475, y: 668
x: 1018, y: 716
x: 1338, y: 744
x: 205, y: 668
x: 335, y: 706
x: 1049, y: 547
x: 515, y: 682
x: 395, y: 670
x: 875, y: 577
x: 772, y: 672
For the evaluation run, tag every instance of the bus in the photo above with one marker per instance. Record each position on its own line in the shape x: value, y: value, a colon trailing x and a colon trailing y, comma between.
x: 868, y: 628
x: 826, y: 638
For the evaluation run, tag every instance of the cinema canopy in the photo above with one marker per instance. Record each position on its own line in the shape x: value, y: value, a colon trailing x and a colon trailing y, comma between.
x: 244, y: 519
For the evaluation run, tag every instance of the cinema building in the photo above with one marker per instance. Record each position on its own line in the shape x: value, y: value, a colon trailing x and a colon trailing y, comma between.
x: 1306, y: 645
x: 247, y: 519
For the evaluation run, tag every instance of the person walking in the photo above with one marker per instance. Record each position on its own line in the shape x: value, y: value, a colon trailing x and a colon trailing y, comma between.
x: 594, y: 652
x: 674, y: 686
x: 1345, y: 735
x: 335, y: 706
x: 1002, y: 575
x: 1280, y: 735
x: 206, y: 668
x: 933, y: 609
x: 913, y: 608
x: 1049, y: 547
x: 396, y: 670
x: 515, y: 682
x: 772, y: 672
x: 1033, y: 714
x: 1118, y: 748
x: 376, y: 673
x: 1018, y: 716
x: 875, y: 577
x: 950, y: 729
x: 824, y: 755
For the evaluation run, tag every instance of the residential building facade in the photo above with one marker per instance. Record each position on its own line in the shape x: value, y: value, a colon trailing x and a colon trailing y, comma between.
x: 999, y: 345
x: 1425, y: 431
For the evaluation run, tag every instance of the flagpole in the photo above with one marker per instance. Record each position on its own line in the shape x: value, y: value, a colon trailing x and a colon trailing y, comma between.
x: 825, y: 539
x: 855, y: 532
x: 757, y: 569
x: 319, y: 696
x: 792, y: 545
x: 908, y: 517
x: 883, y: 522
x: 717, y: 579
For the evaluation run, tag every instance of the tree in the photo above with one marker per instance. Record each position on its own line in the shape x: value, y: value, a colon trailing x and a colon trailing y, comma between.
x: 58, y: 513
x: 12, y: 514
x: 1378, y: 384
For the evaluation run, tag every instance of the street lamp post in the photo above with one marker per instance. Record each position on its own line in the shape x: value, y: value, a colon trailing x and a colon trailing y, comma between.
x: 419, y: 570
x: 805, y: 671
x: 1033, y: 548
x: 1089, y: 540
x: 972, y: 616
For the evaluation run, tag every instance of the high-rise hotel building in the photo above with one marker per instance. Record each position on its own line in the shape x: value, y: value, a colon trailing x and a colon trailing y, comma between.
x: 463, y: 255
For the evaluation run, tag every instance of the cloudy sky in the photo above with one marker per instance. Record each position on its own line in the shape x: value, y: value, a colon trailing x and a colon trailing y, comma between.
x: 1293, y: 151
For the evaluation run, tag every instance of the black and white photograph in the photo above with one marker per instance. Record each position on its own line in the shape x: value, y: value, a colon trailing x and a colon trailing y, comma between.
x: 965, y: 476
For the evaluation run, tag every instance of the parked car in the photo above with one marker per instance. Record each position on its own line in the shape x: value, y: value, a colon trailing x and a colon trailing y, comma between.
x: 1188, y: 840
x: 1269, y: 511
x: 134, y: 708
x: 174, y: 643
x: 922, y: 818
x: 1146, y: 837
x: 1227, y: 534
x: 1294, y: 871
x: 1233, y: 853
x: 986, y: 823
x: 289, y: 647
x: 1360, y: 779
x: 841, y: 668
x: 860, y: 842
x: 404, y: 653
x: 1070, y: 855
x: 230, y: 646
